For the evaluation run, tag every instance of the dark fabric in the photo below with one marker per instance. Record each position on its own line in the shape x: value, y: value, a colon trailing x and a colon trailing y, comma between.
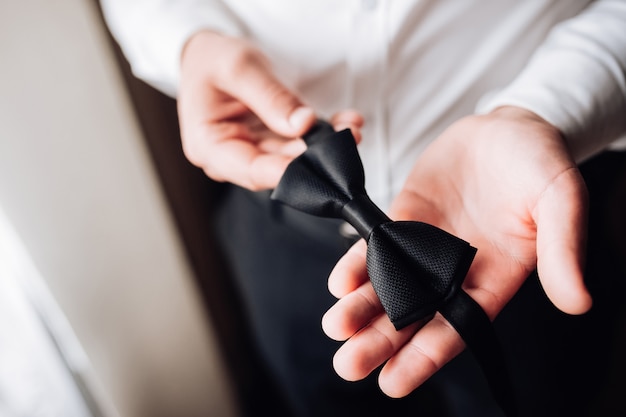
x: 473, y: 324
x: 281, y: 259
x: 416, y: 269
x: 561, y: 365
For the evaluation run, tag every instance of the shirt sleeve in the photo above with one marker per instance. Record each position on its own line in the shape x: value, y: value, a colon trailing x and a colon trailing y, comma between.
x: 152, y: 33
x: 576, y: 80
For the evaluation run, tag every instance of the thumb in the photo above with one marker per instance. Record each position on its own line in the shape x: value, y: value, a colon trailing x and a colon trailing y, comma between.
x: 252, y: 82
x: 561, y: 218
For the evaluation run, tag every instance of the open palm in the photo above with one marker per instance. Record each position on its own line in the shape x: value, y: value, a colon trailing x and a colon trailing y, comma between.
x: 505, y: 183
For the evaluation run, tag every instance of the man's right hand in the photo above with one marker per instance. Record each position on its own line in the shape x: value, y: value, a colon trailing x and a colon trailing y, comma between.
x: 238, y: 122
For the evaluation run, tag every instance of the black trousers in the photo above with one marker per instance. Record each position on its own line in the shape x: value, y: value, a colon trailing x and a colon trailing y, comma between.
x: 281, y: 259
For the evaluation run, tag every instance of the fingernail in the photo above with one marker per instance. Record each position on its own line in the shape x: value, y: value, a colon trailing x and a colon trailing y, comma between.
x: 300, y: 116
x: 295, y: 147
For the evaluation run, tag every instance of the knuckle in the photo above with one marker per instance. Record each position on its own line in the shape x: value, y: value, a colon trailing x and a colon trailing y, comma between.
x: 253, y: 186
x: 241, y: 58
x: 247, y: 63
x: 210, y: 172
x: 253, y: 182
x: 196, y: 154
x: 190, y: 151
x: 279, y: 97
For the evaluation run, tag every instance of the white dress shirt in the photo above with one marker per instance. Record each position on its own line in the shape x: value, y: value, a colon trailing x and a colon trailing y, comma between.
x: 412, y: 67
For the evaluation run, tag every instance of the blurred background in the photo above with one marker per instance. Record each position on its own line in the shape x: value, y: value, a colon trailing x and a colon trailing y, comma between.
x: 100, y: 313
x: 114, y: 300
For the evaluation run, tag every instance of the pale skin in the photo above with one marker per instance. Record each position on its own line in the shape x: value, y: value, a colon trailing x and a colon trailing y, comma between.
x: 238, y: 122
x: 505, y: 182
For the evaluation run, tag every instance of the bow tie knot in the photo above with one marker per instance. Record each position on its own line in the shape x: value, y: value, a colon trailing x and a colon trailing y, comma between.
x: 363, y: 215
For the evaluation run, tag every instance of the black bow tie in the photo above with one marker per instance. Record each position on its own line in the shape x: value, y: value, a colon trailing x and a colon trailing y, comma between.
x: 416, y: 269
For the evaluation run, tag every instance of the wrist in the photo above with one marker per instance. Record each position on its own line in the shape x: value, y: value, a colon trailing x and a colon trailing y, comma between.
x: 198, y: 42
x: 518, y: 114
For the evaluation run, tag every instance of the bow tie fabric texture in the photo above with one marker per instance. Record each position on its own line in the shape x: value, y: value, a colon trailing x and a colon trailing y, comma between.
x: 416, y: 269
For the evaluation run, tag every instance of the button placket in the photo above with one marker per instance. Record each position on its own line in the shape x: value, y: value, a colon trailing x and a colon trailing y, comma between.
x: 367, y: 62
x: 369, y: 4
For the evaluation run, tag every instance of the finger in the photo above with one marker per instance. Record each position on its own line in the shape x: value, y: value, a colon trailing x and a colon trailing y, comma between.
x: 291, y: 147
x: 217, y: 131
x: 411, y: 205
x: 369, y: 348
x: 350, y: 272
x: 250, y: 79
x: 351, y: 313
x: 424, y: 354
x: 348, y: 119
x: 244, y: 164
x: 560, y: 216
x: 234, y: 157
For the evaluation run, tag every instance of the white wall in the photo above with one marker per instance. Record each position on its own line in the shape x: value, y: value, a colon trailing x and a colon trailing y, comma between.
x: 77, y: 186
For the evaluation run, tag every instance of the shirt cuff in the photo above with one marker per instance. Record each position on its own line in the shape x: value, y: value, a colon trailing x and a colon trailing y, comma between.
x: 153, y: 35
x: 576, y: 81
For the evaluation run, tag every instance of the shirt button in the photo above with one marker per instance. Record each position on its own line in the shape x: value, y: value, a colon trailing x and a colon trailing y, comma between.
x: 369, y: 4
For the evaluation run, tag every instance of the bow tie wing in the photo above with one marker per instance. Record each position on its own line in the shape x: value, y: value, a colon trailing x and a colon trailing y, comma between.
x: 324, y: 178
x: 415, y: 268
